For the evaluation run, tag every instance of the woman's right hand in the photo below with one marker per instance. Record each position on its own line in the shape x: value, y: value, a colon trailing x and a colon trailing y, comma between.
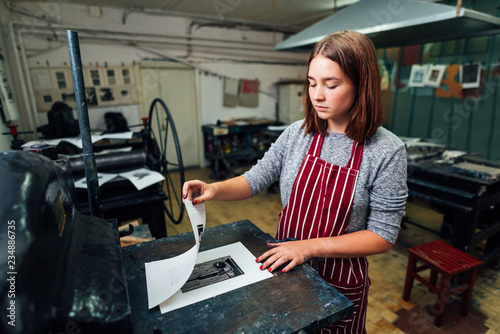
x: 198, y: 191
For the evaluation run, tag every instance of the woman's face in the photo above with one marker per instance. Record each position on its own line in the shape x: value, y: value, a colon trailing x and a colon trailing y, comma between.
x: 331, y: 94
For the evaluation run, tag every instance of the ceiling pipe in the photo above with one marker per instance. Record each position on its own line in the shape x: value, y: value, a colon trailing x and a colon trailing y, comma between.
x: 260, y: 60
x: 135, y: 43
x: 135, y: 40
x: 139, y: 35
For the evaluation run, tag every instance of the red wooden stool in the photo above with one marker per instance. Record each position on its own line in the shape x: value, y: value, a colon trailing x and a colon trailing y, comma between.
x: 448, y: 261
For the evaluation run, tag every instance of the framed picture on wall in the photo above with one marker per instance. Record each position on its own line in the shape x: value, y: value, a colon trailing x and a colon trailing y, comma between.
x: 434, y: 75
x: 417, y: 75
x: 470, y: 75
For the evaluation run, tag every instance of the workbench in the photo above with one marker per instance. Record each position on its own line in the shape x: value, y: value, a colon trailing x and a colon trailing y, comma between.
x: 228, y: 145
x: 299, y: 300
x: 463, y: 200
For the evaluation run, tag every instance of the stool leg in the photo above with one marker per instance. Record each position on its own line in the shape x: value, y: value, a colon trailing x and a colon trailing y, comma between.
x: 433, y: 277
x: 409, y: 276
x: 470, y: 278
x: 442, y: 299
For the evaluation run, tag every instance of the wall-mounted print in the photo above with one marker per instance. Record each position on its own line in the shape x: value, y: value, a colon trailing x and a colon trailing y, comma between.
x: 434, y: 75
x: 450, y: 86
x: 470, y: 75
x: 417, y: 75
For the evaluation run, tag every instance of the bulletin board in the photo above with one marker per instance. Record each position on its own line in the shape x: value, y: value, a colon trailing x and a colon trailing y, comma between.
x: 104, y: 86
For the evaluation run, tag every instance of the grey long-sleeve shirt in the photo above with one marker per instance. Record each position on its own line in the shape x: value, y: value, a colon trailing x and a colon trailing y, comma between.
x: 381, y: 190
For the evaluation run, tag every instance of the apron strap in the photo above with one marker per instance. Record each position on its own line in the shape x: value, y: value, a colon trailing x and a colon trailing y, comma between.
x: 356, y: 156
x: 317, y: 143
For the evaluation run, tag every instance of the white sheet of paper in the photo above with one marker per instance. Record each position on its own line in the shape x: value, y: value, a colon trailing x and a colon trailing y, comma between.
x: 245, y: 260
x: 101, y: 178
x: 142, y: 177
x: 77, y: 141
x: 52, y: 142
x: 165, y: 277
x: 118, y: 135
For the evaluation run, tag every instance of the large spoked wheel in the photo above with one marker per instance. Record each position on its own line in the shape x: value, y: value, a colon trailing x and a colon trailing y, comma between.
x: 165, y: 148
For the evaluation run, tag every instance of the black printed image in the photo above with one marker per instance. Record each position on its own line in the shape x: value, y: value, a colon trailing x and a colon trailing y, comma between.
x: 106, y: 95
x: 211, y: 272
x: 201, y: 229
x: 140, y: 175
x: 91, y: 96
x: 470, y: 73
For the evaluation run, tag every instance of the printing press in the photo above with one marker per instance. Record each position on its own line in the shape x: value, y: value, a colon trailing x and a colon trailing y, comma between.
x: 466, y: 189
x: 120, y: 199
x: 67, y: 273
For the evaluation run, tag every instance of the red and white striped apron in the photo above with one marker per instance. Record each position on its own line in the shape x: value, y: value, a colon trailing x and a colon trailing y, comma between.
x: 320, y: 206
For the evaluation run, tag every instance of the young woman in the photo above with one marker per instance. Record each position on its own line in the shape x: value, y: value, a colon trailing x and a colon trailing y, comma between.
x: 342, y: 175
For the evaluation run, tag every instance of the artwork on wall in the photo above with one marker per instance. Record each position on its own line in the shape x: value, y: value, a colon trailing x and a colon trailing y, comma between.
x: 450, y: 84
x: 474, y: 91
x: 418, y: 75
x: 241, y: 92
x: 249, y: 93
x: 104, y: 86
x: 428, y: 75
x: 434, y: 75
x: 470, y: 75
x: 8, y: 107
x: 230, y: 98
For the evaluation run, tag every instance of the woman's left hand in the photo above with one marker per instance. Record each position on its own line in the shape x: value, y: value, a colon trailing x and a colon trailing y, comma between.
x: 294, y: 252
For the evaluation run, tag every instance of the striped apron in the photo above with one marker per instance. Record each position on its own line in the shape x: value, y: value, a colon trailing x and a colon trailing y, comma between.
x: 320, y: 206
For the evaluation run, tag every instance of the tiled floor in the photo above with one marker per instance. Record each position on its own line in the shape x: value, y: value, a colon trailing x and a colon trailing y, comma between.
x: 387, y: 311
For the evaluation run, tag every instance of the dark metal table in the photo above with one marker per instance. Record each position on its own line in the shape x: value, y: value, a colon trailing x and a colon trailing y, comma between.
x: 297, y: 301
x: 462, y: 199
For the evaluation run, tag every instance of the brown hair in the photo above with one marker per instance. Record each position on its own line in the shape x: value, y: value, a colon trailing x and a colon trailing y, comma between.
x: 356, y: 56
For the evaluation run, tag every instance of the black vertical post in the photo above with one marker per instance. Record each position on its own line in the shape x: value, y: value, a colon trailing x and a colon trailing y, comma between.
x: 83, y: 120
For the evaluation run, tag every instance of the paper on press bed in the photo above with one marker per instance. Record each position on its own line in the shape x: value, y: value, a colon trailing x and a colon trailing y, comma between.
x: 140, y: 177
x: 245, y: 261
x: 165, y: 278
x: 102, y: 178
x: 77, y: 141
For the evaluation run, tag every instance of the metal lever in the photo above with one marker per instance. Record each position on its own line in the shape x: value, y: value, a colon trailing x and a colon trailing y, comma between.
x: 130, y: 230
x: 95, y: 204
